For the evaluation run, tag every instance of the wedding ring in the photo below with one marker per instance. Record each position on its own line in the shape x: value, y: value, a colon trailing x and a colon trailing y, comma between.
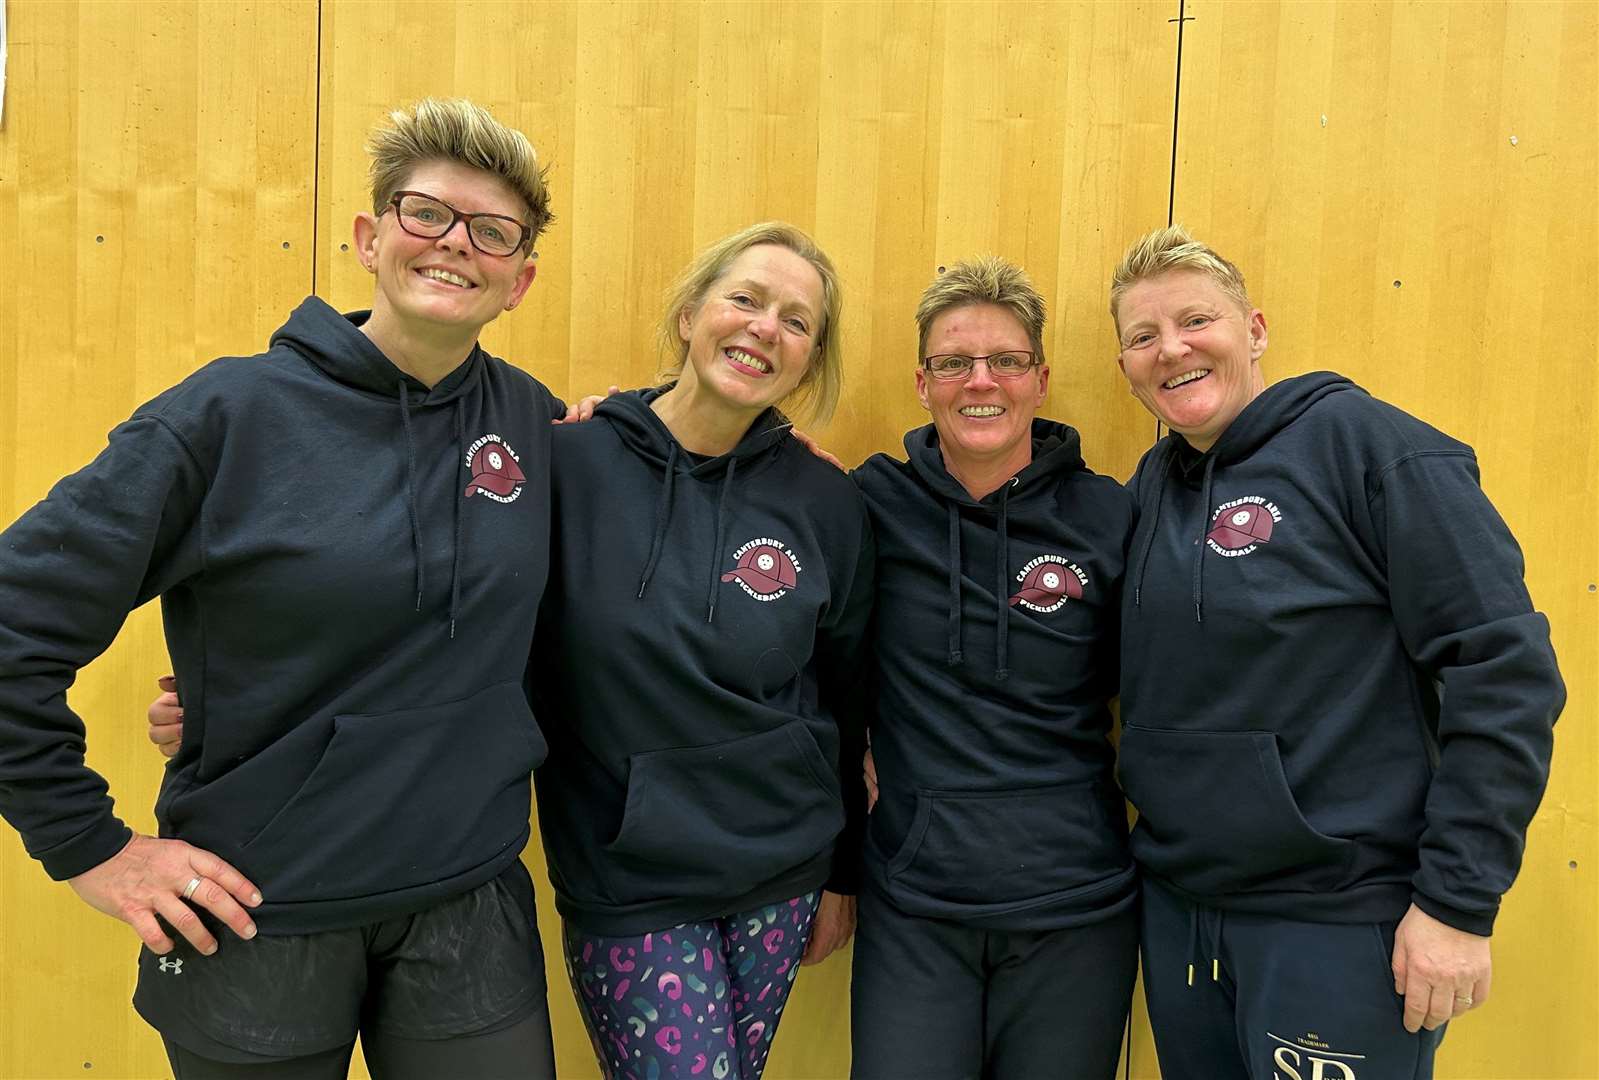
x: 194, y: 883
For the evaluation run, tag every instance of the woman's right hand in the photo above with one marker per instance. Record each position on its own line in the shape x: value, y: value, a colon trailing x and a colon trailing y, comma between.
x: 166, y: 717
x: 151, y: 877
x: 871, y: 779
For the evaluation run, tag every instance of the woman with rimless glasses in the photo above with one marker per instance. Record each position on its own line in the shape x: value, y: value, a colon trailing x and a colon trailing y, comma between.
x: 324, y: 523
x: 997, y: 935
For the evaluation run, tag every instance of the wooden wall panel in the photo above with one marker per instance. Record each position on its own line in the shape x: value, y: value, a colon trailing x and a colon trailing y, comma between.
x: 1410, y: 190
x: 197, y: 140
x: 155, y: 209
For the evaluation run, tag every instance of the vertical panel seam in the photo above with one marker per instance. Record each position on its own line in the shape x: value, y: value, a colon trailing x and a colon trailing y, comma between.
x: 1171, y: 195
x: 316, y: 154
x: 1176, y: 107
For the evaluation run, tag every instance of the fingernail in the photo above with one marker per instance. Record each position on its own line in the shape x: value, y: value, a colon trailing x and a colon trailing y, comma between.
x: 208, y: 950
x: 249, y: 931
x: 255, y: 898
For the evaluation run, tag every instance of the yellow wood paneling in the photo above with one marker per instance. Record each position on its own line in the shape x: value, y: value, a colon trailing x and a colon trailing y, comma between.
x: 1411, y: 191
x: 156, y: 205
x: 197, y: 140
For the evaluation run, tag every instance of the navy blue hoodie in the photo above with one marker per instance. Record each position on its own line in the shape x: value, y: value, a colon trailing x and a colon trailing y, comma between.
x: 1337, y: 699
x: 349, y: 567
x: 695, y: 672
x: 995, y: 664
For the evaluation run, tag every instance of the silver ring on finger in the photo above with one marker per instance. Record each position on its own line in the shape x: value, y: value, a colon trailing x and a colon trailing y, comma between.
x: 188, y: 890
x: 1463, y: 1000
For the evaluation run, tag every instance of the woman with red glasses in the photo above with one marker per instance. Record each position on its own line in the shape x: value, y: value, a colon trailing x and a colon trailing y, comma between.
x: 323, y: 523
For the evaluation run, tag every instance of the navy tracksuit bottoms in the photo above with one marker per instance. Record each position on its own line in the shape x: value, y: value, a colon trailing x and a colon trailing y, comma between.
x: 1238, y: 996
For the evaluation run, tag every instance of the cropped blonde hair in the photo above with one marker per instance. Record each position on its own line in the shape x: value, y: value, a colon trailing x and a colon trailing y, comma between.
x: 816, y: 396
x: 1172, y: 248
x: 456, y: 130
x: 987, y: 279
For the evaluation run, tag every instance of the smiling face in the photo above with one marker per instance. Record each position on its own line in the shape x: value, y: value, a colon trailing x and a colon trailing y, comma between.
x: 751, y: 337
x: 444, y: 283
x: 981, y: 419
x: 1190, y: 353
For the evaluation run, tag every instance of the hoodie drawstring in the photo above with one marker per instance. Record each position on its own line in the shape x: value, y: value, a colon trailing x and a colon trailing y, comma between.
x: 1142, y: 562
x: 954, y: 564
x: 1002, y: 587
x: 663, y: 514
x: 1199, y: 545
x: 721, y: 535
x: 455, y: 564
x: 410, y: 490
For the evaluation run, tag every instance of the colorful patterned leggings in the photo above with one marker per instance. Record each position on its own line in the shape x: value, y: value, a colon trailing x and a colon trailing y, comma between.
x: 699, y: 1000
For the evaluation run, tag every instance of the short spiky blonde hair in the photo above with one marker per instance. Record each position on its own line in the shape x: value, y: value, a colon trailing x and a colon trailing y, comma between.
x: 816, y: 397
x: 1172, y: 248
x: 987, y: 279
x: 456, y: 130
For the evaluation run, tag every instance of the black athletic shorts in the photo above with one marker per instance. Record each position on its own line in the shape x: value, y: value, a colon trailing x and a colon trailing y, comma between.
x: 469, y: 965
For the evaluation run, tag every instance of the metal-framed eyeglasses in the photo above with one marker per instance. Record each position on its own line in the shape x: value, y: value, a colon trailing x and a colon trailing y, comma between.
x: 422, y: 215
x: 1011, y: 364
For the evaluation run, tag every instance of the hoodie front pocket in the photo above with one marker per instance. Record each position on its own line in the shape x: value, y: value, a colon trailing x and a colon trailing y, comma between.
x: 1011, y: 848
x: 719, y: 820
x: 1215, y: 814
x: 402, y: 799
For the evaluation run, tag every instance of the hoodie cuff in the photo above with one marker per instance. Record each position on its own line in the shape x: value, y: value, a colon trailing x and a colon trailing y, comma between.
x: 87, y: 850
x: 1472, y: 922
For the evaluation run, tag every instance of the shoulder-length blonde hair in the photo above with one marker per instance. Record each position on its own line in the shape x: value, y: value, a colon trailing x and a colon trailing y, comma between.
x: 816, y: 396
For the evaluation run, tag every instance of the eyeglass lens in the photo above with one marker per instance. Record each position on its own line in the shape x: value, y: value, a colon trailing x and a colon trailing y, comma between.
x: 1001, y: 365
x: 491, y: 234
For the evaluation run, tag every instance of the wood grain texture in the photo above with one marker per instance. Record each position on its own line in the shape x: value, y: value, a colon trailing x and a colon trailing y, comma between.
x: 197, y: 139
x: 1411, y: 192
x: 156, y: 207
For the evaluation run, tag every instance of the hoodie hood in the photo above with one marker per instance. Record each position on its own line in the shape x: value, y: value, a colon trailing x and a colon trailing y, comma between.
x: 1272, y: 410
x: 334, y: 343
x: 635, y: 422
x: 1056, y: 452
x: 646, y: 435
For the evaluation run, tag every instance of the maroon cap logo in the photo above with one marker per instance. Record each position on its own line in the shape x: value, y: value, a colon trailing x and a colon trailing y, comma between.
x: 766, y: 569
x: 1239, y: 526
x: 1047, y: 582
x: 495, y: 470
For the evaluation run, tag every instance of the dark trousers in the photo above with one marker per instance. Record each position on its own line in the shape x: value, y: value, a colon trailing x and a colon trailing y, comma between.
x: 522, y: 1051
x: 934, y: 1000
x: 1274, y: 999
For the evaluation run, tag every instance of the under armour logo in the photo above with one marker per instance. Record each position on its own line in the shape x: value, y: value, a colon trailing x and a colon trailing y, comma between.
x: 170, y: 966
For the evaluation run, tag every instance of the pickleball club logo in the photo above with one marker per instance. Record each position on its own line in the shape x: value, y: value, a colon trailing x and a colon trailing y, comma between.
x: 1047, y: 583
x: 765, y: 569
x: 496, y: 472
x: 1240, y: 526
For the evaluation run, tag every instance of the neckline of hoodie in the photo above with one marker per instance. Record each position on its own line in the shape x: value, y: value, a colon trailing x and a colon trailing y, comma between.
x: 367, y: 354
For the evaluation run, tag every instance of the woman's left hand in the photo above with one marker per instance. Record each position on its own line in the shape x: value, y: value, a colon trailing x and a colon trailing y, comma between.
x: 832, y: 927
x: 816, y: 448
x: 583, y: 410
x: 1441, y: 972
